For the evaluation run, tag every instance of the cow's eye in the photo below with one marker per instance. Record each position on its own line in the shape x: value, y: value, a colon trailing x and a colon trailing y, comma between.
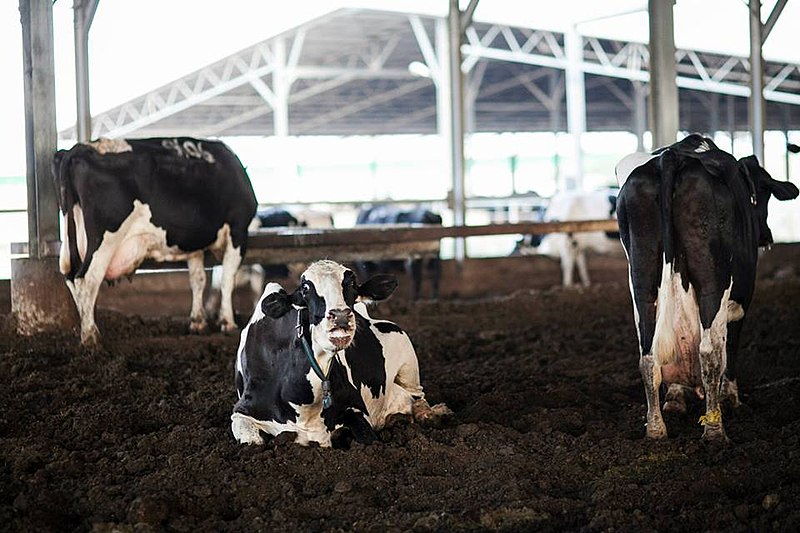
x: 305, y: 287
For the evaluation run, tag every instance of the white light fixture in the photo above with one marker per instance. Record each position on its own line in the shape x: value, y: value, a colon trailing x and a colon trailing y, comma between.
x: 418, y: 68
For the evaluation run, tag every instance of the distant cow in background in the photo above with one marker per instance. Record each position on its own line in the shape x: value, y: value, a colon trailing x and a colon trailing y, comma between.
x: 389, y: 214
x: 692, y: 219
x: 167, y: 199
x: 571, y: 248
x: 255, y: 276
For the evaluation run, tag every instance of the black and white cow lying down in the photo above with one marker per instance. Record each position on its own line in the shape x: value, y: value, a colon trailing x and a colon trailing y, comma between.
x: 370, y: 365
x: 168, y: 199
x: 691, y: 221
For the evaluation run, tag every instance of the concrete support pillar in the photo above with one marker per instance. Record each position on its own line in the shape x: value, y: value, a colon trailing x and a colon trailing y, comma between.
x: 40, y: 300
x: 663, y: 72
x: 39, y: 297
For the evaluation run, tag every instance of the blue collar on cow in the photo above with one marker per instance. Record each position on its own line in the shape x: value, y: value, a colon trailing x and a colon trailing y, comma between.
x: 327, y: 398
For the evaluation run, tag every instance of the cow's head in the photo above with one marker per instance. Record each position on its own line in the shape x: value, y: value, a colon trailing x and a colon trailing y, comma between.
x: 329, y: 291
x: 762, y: 184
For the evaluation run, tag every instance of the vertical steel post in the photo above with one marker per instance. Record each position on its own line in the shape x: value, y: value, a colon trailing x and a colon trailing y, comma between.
x: 455, y: 33
x: 39, y: 298
x: 663, y: 87
x: 40, y: 123
x: 576, y: 106
x: 83, y: 15
x: 756, y: 102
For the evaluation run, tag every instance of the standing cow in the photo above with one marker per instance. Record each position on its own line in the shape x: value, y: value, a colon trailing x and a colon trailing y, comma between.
x: 414, y: 266
x: 167, y: 199
x: 691, y: 220
x: 571, y: 248
x: 313, y: 362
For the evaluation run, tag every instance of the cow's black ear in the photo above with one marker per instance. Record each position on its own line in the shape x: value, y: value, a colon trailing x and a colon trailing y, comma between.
x: 378, y: 287
x: 782, y: 190
x: 276, y: 304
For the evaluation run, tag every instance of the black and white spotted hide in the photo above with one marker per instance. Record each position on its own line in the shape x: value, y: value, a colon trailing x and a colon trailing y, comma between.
x: 371, y: 364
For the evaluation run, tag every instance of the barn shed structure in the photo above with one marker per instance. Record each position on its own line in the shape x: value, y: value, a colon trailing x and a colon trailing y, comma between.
x: 373, y: 72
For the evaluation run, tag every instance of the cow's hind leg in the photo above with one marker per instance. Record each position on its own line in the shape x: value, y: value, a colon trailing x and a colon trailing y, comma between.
x: 230, y: 264
x: 713, y: 319
x: 197, y: 281
x: 651, y: 377
x: 583, y: 268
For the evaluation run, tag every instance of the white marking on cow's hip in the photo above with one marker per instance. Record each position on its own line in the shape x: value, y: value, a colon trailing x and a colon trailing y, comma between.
x: 104, y: 145
x: 629, y: 163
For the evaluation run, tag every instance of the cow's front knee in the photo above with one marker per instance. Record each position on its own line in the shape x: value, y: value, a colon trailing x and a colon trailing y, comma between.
x: 245, y: 430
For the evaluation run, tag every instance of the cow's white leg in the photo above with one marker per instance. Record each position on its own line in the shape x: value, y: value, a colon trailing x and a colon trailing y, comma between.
x: 712, y: 368
x: 86, y: 289
x: 245, y: 430
x: 567, y: 262
x: 583, y: 270
x: 197, y: 281
x: 651, y: 377
x: 230, y: 264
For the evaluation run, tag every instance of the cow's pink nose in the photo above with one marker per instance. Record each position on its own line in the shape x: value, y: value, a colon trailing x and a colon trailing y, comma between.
x: 340, y: 317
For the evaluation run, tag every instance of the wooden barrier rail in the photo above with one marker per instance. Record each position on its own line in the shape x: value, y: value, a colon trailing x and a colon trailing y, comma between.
x: 396, y: 241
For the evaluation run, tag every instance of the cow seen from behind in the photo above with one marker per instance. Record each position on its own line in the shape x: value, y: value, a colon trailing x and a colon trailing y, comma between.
x: 691, y: 220
x: 166, y: 199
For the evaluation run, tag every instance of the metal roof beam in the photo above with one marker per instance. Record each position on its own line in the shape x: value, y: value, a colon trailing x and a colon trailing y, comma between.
x: 355, y: 107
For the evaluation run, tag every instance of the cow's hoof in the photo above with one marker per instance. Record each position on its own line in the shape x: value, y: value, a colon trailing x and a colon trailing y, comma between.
x: 341, y: 438
x: 228, y: 327
x: 90, y: 339
x: 198, y: 327
x: 656, y: 430
x: 715, y: 435
x: 434, y: 416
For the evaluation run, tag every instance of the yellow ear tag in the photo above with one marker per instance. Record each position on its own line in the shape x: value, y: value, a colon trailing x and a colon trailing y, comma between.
x: 712, y: 418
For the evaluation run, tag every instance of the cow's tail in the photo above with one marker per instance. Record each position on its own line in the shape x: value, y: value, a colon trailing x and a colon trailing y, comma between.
x: 664, y: 345
x: 69, y: 258
x: 668, y: 163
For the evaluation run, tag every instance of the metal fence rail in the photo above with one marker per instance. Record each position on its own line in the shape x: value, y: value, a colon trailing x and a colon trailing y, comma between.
x: 396, y: 241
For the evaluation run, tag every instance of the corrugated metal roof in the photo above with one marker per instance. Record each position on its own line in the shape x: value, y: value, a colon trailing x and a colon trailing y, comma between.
x: 350, y: 72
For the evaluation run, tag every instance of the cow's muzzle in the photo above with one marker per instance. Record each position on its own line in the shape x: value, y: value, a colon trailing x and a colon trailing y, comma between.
x: 341, y: 327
